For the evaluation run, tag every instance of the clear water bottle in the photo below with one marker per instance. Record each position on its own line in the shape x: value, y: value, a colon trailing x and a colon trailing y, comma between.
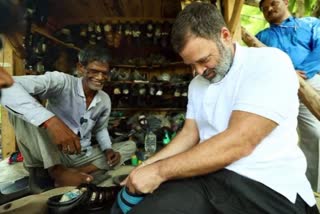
x: 150, y: 143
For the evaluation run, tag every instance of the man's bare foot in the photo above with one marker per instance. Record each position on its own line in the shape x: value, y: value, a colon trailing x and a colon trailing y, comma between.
x: 64, y: 176
x: 88, y: 169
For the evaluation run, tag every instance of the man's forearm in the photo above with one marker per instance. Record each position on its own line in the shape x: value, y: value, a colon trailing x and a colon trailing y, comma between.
x: 219, y: 151
x: 103, y: 139
x: 203, y: 158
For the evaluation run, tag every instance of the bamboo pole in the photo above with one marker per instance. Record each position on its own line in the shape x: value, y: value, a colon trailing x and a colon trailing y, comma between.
x: 45, y: 33
x: 235, y: 18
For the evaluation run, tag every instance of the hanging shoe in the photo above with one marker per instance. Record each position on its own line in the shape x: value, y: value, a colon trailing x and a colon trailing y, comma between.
x: 177, y: 92
x: 137, y: 75
x: 109, y: 34
x: 157, y: 34
x: 165, y: 34
x: 128, y: 34
x: 124, y: 74
x: 117, y: 39
x: 136, y: 34
x: 149, y: 31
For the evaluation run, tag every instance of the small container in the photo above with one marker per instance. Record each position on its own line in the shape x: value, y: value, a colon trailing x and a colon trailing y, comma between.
x: 134, y: 160
x: 150, y: 143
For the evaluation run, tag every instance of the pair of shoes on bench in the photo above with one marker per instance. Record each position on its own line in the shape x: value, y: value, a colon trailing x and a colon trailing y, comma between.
x: 87, y: 198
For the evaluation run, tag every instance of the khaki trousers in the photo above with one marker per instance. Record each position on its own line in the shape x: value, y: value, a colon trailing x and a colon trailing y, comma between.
x: 38, y: 150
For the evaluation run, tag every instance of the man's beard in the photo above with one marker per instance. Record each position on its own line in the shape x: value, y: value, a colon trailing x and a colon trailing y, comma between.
x: 224, y: 63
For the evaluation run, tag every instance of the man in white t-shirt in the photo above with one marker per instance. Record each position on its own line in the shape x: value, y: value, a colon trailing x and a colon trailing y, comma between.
x: 237, y: 151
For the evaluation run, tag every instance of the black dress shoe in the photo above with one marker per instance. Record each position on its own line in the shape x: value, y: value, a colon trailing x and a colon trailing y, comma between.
x: 93, y: 199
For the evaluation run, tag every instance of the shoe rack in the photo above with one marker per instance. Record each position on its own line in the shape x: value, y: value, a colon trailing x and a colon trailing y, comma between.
x: 149, y: 88
x: 57, y: 31
x: 147, y: 77
x: 146, y: 73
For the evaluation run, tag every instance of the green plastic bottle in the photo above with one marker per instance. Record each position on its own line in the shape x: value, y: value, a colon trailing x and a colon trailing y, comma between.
x: 166, y: 139
x: 134, y: 160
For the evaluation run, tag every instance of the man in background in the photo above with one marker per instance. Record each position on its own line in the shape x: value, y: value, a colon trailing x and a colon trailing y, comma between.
x: 300, y: 39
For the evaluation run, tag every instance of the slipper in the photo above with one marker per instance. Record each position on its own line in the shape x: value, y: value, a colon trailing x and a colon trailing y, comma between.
x: 99, y: 176
x: 38, y: 181
x: 86, y: 198
x: 15, y: 190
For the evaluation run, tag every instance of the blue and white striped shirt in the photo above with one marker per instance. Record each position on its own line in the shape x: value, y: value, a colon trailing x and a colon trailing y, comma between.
x: 66, y: 100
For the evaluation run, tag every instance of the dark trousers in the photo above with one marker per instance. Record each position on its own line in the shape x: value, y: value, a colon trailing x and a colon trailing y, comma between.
x: 220, y: 192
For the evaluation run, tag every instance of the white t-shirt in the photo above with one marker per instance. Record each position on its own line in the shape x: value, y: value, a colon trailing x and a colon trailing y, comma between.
x: 261, y: 81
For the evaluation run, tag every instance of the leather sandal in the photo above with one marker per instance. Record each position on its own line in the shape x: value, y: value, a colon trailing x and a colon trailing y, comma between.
x: 92, y: 199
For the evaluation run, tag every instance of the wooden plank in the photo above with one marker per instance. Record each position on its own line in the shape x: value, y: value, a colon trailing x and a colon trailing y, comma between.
x: 18, y: 66
x: 112, y: 8
x: 131, y: 8
x: 151, y: 8
x: 45, y: 33
x: 7, y: 132
x: 170, y: 8
x: 16, y: 41
x: 76, y: 8
x: 99, y: 11
x: 103, y: 20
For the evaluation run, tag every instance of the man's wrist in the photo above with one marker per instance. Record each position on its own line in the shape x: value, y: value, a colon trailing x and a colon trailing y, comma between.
x: 47, y: 123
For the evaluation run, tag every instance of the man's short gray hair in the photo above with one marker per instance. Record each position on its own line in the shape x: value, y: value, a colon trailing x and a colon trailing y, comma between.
x: 94, y: 53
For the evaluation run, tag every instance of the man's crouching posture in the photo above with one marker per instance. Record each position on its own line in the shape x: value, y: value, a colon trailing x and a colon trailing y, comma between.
x: 59, y: 136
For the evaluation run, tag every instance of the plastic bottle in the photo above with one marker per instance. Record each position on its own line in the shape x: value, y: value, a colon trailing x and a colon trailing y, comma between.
x: 150, y: 143
x: 134, y: 160
x: 166, y: 139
